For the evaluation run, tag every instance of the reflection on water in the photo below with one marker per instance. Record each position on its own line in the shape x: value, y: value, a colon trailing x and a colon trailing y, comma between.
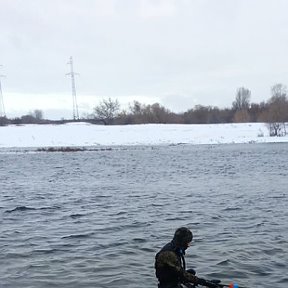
x: 96, y: 219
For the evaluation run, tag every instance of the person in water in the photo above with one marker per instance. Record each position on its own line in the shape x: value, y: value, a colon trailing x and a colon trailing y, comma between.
x: 170, y: 263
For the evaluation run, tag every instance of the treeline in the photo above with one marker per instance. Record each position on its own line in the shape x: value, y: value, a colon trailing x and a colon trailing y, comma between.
x: 274, y: 112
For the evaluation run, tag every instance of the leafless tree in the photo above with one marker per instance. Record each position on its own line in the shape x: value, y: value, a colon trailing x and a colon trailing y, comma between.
x: 4, y: 121
x: 107, y: 111
x: 37, y: 114
x: 242, y: 100
x: 277, y: 114
x: 278, y: 91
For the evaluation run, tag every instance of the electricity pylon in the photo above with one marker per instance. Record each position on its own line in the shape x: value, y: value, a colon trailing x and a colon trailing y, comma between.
x: 72, y: 74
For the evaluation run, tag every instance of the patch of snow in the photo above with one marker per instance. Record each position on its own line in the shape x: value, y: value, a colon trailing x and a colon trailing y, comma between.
x: 85, y: 134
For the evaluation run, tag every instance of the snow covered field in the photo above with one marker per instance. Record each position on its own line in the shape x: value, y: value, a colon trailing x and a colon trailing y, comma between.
x: 84, y: 134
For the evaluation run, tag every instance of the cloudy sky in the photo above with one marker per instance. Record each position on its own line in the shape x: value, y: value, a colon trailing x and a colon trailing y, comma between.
x: 179, y: 53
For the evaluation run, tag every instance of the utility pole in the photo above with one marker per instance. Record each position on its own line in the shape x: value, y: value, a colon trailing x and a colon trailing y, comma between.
x: 72, y: 74
x: 2, y: 107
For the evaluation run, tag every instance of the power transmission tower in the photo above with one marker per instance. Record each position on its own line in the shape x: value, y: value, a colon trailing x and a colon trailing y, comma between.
x: 2, y: 107
x: 72, y: 74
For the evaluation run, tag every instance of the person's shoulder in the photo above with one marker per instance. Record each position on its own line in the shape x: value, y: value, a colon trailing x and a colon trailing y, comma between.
x: 169, y: 247
x: 166, y: 256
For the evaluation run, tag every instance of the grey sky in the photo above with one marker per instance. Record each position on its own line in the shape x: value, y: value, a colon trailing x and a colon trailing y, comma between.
x: 176, y: 52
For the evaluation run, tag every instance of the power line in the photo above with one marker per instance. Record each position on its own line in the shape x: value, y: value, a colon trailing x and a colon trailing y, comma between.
x: 2, y: 107
x: 72, y: 74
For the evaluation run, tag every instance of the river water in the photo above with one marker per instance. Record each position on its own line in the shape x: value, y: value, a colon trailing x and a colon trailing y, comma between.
x: 97, y: 218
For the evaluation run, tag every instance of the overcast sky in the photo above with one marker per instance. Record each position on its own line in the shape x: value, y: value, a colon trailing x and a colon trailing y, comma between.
x: 179, y: 53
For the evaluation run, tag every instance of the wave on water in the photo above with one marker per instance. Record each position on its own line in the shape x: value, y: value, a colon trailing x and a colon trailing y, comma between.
x: 20, y: 209
x: 26, y: 208
x: 105, y: 215
x: 75, y: 216
x: 78, y: 236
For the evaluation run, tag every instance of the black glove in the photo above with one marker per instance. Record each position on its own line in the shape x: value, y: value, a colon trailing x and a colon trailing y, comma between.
x: 206, y: 283
x: 201, y: 281
x: 215, y: 281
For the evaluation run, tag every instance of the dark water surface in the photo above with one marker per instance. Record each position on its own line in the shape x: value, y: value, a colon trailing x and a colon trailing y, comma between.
x: 96, y: 219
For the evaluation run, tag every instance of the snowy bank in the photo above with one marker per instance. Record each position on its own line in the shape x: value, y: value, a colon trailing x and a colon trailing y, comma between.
x: 84, y: 134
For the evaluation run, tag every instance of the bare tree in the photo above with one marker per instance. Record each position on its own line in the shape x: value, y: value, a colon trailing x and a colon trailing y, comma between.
x: 136, y: 108
x: 242, y: 100
x: 3, y: 121
x: 107, y: 111
x: 37, y: 114
x: 277, y: 114
x: 136, y: 113
x: 278, y: 91
x: 158, y: 113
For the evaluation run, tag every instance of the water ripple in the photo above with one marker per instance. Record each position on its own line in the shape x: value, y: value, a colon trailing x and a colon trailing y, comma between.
x: 97, y: 219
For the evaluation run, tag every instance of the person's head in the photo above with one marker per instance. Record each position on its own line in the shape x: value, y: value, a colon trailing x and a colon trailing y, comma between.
x: 183, y: 237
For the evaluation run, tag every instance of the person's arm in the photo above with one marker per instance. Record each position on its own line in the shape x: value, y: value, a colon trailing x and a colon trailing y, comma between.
x: 169, y: 259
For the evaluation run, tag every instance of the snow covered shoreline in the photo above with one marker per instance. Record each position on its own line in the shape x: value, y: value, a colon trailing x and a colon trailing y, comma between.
x: 85, y: 134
